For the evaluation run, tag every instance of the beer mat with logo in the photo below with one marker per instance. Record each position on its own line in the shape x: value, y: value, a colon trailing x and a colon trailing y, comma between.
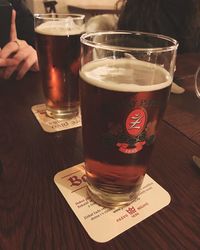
x: 51, y: 125
x: 103, y: 224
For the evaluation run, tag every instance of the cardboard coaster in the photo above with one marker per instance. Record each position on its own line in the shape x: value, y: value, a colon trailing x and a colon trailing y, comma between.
x: 51, y: 125
x: 103, y: 224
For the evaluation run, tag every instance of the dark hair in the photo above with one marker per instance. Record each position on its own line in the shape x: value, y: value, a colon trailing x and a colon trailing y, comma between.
x: 175, y: 18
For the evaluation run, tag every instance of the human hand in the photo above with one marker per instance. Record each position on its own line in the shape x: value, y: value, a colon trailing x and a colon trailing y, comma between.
x: 17, y: 55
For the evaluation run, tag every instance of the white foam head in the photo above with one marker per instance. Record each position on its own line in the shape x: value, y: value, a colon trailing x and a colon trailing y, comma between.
x: 61, y: 27
x: 127, y: 75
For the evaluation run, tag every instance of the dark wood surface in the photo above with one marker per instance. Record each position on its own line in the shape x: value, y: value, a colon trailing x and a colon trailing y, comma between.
x: 183, y: 111
x: 33, y: 213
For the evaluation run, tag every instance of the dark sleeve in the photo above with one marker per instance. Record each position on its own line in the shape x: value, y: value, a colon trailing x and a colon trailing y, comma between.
x: 24, y: 22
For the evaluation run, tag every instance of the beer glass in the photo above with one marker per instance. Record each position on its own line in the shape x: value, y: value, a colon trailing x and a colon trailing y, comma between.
x: 125, y: 81
x: 58, y: 49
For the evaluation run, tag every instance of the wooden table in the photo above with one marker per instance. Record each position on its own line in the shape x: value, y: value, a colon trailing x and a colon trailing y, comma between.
x: 34, y: 214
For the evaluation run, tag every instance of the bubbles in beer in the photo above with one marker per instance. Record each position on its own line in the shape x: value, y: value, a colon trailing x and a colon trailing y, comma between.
x: 126, y: 75
x: 61, y: 27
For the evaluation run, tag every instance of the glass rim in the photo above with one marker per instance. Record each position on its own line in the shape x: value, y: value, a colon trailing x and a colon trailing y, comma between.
x: 84, y: 40
x: 47, y: 16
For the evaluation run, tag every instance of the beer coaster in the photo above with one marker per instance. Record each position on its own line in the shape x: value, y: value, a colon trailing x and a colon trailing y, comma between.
x: 51, y: 125
x: 103, y: 224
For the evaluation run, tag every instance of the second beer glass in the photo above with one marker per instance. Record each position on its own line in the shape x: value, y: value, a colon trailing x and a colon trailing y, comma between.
x: 58, y: 49
x: 125, y: 85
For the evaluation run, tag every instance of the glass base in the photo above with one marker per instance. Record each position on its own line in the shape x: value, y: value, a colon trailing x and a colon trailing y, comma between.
x: 61, y: 114
x: 111, y: 200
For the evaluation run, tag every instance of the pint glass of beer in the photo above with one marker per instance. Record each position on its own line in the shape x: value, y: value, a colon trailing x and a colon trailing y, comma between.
x: 125, y: 82
x: 58, y: 49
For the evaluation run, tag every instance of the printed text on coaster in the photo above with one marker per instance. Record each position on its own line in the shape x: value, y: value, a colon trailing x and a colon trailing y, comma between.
x: 51, y: 125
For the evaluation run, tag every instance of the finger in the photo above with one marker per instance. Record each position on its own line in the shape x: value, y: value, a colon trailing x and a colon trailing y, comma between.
x: 12, y: 47
x: 9, y: 71
x: 35, y: 66
x: 4, y: 62
x: 26, y: 58
x: 6, y: 74
x: 9, y: 49
x: 29, y: 62
x: 19, y: 57
x: 13, y: 32
x: 22, y: 54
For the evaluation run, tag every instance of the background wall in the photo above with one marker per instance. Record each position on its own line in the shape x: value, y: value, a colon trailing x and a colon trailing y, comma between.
x: 37, y: 6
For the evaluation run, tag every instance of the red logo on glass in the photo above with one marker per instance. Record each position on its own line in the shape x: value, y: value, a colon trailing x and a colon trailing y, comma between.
x: 136, y: 121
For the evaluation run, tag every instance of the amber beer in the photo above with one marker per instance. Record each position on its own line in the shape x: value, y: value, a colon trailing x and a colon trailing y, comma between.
x: 59, y: 59
x: 122, y: 101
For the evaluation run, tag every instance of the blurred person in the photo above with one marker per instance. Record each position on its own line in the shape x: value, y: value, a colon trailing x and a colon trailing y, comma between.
x: 105, y: 22
x: 102, y: 22
x: 175, y: 18
x: 19, y: 54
